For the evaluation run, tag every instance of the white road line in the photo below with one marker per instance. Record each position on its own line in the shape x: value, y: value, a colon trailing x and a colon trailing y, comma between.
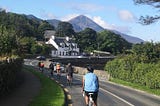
x: 117, y: 97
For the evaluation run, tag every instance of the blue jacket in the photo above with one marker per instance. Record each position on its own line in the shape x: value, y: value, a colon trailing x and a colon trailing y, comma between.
x: 91, y: 83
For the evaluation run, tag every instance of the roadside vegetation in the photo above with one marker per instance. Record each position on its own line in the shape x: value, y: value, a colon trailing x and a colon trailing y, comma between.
x: 140, y: 69
x: 51, y: 94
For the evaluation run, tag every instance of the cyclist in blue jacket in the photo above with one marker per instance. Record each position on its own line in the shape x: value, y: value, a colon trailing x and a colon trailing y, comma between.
x: 90, y: 84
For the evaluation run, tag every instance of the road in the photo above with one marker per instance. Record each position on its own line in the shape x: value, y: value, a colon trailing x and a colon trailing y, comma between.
x: 110, y: 94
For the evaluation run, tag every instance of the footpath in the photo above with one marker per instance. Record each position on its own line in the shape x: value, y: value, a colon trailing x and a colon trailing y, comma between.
x: 27, y: 88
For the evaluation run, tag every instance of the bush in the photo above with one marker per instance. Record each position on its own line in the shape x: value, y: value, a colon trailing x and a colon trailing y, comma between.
x: 127, y: 69
x: 8, y: 72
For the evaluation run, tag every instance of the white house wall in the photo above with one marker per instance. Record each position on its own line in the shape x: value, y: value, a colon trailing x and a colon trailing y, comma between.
x: 63, y: 51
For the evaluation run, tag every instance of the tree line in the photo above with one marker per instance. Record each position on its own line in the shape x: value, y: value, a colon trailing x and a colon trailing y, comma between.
x: 19, y: 35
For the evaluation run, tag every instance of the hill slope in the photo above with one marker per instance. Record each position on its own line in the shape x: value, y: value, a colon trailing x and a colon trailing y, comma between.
x: 81, y: 22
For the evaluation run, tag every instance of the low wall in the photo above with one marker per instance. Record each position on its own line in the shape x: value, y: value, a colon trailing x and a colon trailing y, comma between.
x: 98, y: 63
x: 102, y: 75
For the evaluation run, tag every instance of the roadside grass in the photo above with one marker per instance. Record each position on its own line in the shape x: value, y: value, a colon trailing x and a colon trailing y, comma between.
x: 51, y: 94
x: 137, y: 86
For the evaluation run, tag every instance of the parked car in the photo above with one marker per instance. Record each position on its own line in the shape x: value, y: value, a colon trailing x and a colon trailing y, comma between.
x: 41, y: 58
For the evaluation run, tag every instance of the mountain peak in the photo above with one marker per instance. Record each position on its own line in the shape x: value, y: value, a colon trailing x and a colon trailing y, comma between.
x: 82, y: 22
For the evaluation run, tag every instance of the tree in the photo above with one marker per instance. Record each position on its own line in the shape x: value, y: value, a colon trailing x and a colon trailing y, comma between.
x: 146, y: 20
x: 87, y: 40
x: 7, y: 41
x: 41, y: 29
x: 65, y: 29
x: 111, y: 42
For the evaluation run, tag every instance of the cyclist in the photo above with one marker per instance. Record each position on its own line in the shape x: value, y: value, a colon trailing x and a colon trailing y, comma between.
x: 58, y: 69
x: 90, y: 84
x: 41, y: 66
x: 51, y: 66
x: 69, y: 71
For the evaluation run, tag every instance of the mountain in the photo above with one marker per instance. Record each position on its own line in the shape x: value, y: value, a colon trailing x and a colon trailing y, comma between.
x: 129, y: 38
x: 82, y: 22
x: 33, y: 17
x: 53, y: 22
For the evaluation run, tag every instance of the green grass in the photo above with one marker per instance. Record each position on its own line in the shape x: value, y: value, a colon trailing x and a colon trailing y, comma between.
x: 51, y: 94
x: 137, y: 86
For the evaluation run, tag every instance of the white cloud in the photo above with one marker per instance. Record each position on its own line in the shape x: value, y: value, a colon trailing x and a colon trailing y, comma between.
x: 126, y: 15
x: 84, y: 7
x: 5, y: 8
x: 69, y: 17
x: 101, y: 22
x: 47, y: 15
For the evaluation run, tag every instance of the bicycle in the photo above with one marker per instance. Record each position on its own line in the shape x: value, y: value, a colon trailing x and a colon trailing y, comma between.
x: 91, y: 102
x: 90, y: 99
x: 58, y: 74
x: 69, y: 80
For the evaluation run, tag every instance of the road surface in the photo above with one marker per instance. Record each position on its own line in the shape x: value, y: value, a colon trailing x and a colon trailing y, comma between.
x: 110, y: 94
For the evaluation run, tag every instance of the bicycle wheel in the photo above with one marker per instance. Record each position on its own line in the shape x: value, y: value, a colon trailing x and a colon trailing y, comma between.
x: 90, y: 103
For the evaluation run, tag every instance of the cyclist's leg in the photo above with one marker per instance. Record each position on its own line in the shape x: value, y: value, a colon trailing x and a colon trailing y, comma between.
x: 71, y: 77
x: 86, y: 98
x: 95, y: 95
x: 51, y: 72
x: 58, y: 74
x: 67, y: 77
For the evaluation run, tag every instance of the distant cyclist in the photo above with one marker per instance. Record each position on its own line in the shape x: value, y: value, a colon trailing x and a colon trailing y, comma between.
x: 58, y: 69
x: 51, y: 66
x: 41, y: 66
x: 69, y: 71
x: 90, y: 84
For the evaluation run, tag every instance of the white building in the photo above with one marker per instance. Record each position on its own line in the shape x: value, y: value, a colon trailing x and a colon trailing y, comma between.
x: 62, y: 46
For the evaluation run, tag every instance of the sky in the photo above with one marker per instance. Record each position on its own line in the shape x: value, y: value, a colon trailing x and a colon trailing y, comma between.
x: 120, y: 15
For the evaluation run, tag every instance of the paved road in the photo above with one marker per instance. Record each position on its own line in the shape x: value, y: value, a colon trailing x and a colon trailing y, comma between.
x: 109, y: 95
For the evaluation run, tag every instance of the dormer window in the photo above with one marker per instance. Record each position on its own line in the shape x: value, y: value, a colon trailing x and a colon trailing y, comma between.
x: 62, y: 45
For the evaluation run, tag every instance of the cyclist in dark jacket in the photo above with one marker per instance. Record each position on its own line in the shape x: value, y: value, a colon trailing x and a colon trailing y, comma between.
x: 51, y: 66
x: 69, y: 71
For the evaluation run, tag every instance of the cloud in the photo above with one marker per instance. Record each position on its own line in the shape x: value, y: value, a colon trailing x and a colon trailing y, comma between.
x: 47, y: 15
x: 69, y: 17
x: 126, y: 16
x: 84, y: 7
x: 5, y: 8
x: 101, y: 22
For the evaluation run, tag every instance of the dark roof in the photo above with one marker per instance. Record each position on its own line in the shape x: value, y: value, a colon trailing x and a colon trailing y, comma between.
x: 49, y: 33
x: 63, y: 40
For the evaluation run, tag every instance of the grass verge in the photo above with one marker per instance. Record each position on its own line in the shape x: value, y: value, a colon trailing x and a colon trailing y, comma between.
x: 137, y: 86
x: 51, y: 94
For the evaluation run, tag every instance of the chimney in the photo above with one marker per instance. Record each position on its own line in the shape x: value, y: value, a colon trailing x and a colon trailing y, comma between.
x: 52, y: 37
x: 67, y: 38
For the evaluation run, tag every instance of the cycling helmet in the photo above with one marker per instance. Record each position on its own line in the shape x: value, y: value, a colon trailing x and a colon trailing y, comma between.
x: 90, y: 69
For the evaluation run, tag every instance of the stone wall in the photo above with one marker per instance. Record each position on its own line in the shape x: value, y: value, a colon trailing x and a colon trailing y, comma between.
x: 102, y: 75
x: 97, y: 63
